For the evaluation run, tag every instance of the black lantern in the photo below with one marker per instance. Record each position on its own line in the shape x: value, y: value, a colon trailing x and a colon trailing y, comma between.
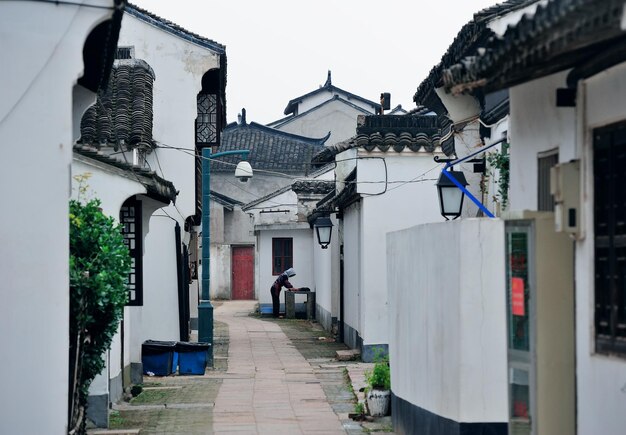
x: 450, y: 196
x: 324, y: 229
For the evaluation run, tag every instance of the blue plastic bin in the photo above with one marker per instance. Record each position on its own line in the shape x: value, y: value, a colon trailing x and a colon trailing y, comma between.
x: 159, y: 357
x: 192, y: 357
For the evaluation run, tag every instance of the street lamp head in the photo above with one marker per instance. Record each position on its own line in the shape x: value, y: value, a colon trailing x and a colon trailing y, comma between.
x: 324, y: 229
x: 243, y: 171
x: 450, y: 196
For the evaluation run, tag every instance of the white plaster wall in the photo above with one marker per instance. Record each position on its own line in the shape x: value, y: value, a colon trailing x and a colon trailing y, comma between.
x: 112, y: 186
x: 448, y: 341
x: 35, y: 179
x: 335, y: 117
x: 601, y: 380
x: 284, y: 207
x: 302, y: 262
x: 260, y: 185
x: 402, y: 206
x: 537, y: 125
x: 178, y: 66
x: 220, y: 271
x: 317, y: 99
x: 352, y: 266
x: 325, y: 287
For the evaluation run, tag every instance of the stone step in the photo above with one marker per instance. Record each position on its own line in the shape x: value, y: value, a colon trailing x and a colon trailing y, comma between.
x: 348, y: 355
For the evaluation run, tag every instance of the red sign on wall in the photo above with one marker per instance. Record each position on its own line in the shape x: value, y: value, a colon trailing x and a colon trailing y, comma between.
x: 517, y: 297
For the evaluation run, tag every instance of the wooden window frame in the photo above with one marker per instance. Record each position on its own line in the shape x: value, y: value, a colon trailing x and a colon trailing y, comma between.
x: 286, y: 260
x: 545, y: 200
x: 609, y: 148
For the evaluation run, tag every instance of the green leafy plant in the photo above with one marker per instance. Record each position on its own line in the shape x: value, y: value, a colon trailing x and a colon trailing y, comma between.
x: 499, y: 163
x: 380, y: 376
x: 99, y: 266
x: 359, y: 408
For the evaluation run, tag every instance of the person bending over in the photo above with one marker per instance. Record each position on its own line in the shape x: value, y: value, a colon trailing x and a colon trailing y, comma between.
x: 281, y: 281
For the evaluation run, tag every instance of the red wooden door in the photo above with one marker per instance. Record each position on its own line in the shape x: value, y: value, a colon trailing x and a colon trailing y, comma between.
x: 242, y: 276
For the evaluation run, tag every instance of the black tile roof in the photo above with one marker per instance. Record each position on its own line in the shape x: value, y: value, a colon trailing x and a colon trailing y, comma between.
x: 328, y: 87
x: 158, y: 188
x: 228, y: 202
x: 174, y: 28
x: 472, y: 35
x: 558, y: 36
x: 122, y: 114
x: 395, y: 133
x: 270, y: 149
x: 316, y: 187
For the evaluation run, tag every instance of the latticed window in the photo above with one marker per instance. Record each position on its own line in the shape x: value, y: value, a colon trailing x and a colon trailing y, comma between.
x: 130, y: 218
x: 282, y: 255
x: 206, y: 122
x: 609, y: 165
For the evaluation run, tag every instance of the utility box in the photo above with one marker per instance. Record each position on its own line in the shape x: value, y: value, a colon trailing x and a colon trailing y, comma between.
x: 540, y: 318
x: 565, y: 187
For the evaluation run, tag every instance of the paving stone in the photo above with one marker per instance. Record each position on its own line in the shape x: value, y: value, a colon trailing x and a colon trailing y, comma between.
x: 271, y: 376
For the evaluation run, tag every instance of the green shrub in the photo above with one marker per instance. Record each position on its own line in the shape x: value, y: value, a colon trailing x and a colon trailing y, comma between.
x: 99, y: 266
x: 380, y: 376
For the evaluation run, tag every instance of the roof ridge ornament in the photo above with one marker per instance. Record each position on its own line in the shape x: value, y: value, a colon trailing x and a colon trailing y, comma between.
x: 329, y: 81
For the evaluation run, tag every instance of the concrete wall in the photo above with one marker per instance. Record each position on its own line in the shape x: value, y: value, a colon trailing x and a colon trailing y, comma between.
x: 447, y: 339
x: 44, y: 43
x: 336, y: 117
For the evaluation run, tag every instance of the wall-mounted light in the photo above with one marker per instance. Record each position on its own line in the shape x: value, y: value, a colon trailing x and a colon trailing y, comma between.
x: 450, y: 196
x: 324, y: 230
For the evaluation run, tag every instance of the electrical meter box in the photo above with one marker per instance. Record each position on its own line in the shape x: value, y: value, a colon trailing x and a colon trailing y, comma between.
x: 565, y: 187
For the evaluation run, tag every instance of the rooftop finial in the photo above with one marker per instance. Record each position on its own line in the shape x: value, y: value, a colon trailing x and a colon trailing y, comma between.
x: 242, y: 117
x: 328, y: 80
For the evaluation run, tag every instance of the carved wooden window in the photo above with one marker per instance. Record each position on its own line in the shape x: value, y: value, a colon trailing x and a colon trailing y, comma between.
x: 609, y: 166
x: 130, y: 218
x: 206, y: 122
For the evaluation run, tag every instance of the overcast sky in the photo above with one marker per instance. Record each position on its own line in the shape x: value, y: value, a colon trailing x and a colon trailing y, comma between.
x: 280, y: 49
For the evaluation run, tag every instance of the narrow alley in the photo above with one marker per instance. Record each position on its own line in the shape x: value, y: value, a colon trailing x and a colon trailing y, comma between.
x: 270, y: 377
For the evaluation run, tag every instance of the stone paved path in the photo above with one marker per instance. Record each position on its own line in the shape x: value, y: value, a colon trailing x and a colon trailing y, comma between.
x: 270, y: 377
x: 270, y: 388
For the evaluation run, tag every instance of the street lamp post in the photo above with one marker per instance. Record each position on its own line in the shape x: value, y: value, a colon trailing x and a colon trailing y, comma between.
x: 205, y: 308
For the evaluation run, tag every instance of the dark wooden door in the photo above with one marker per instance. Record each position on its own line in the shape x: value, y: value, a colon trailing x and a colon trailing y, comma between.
x: 242, y: 277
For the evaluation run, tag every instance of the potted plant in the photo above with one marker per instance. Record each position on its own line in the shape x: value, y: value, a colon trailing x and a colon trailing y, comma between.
x: 379, y: 385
